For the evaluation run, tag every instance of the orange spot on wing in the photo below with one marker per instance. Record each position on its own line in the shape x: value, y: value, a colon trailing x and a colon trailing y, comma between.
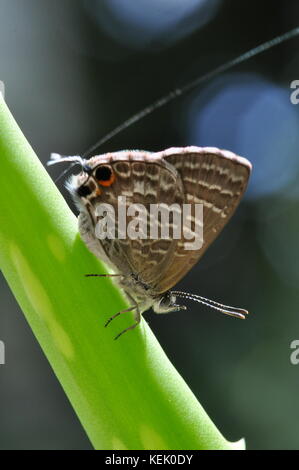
x: 108, y: 182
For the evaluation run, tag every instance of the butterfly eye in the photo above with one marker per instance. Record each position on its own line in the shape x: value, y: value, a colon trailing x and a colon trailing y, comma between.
x: 83, y: 191
x: 104, y: 175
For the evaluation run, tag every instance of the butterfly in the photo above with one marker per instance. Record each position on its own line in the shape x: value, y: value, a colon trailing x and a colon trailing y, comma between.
x: 147, y: 269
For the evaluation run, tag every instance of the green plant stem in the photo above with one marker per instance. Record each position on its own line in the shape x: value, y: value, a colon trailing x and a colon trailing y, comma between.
x: 126, y: 393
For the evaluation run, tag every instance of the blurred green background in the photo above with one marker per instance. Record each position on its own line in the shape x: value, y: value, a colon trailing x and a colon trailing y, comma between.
x: 73, y: 70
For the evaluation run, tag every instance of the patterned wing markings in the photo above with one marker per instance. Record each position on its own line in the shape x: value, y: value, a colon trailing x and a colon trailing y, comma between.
x: 143, y: 181
x: 215, y: 178
x: 210, y: 176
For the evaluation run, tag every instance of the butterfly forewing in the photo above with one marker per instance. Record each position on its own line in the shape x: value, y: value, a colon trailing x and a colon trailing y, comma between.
x: 141, y: 178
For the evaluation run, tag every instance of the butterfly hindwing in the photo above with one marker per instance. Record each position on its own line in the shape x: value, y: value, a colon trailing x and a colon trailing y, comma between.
x: 212, y: 177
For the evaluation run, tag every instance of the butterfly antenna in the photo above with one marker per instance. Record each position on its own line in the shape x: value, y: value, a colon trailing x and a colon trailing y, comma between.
x: 64, y: 172
x: 57, y: 158
x: 193, y: 84
x: 226, y: 309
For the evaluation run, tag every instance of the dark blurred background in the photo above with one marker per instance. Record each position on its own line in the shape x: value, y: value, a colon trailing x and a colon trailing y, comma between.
x: 73, y: 70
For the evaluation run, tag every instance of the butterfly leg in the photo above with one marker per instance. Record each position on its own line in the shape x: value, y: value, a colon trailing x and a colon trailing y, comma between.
x: 137, y: 316
x: 102, y: 275
x: 129, y: 309
x: 129, y: 328
x: 119, y: 313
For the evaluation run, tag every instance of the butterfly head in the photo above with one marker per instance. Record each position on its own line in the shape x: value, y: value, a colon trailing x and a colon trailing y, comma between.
x: 94, y: 177
x: 167, y: 303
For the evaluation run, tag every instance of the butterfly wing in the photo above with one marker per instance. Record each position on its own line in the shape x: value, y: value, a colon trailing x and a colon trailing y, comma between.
x: 215, y: 178
x: 142, y: 178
